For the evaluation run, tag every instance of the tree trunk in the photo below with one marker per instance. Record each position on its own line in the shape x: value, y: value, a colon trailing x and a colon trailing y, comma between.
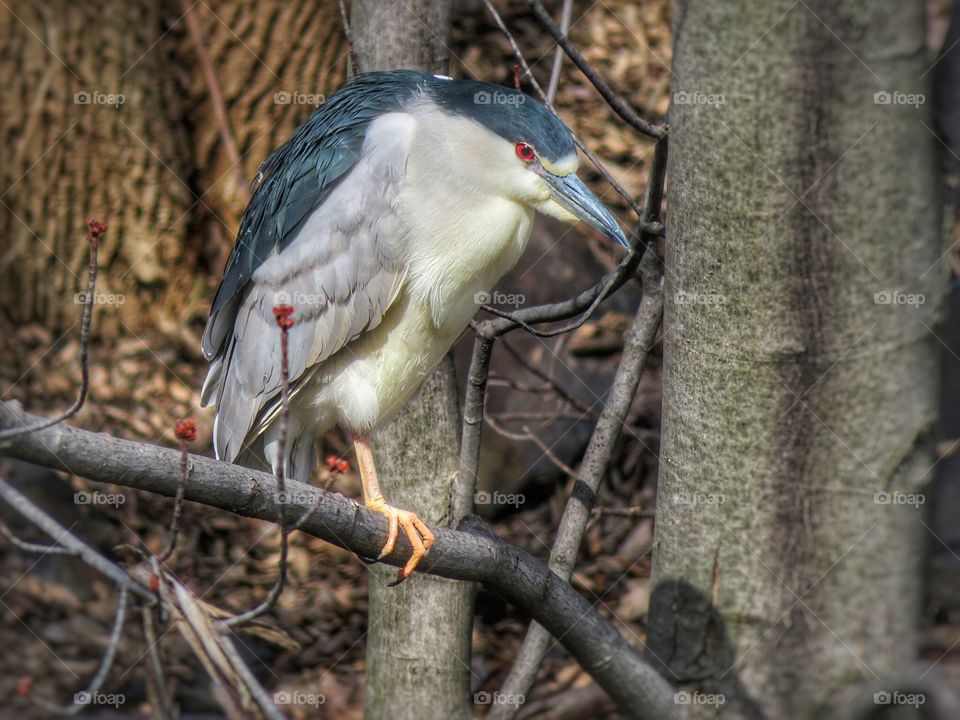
x: 418, y: 641
x: 92, y: 127
x: 275, y: 62
x: 418, y: 645
x: 800, y: 380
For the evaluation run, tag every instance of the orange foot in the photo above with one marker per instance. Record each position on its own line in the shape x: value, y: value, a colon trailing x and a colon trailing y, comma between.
x: 417, y: 532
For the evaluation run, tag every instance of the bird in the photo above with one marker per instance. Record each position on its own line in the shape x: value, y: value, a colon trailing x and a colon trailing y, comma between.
x: 383, y: 221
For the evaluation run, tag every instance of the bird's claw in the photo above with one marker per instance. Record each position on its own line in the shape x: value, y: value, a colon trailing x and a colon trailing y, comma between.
x: 419, y: 535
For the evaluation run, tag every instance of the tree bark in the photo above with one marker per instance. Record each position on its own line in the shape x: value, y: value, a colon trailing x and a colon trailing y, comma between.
x: 418, y: 646
x: 275, y: 62
x: 797, y: 384
x: 92, y: 127
x: 418, y: 643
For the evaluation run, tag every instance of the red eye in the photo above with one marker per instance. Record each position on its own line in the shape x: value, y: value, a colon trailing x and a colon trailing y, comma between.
x: 525, y: 152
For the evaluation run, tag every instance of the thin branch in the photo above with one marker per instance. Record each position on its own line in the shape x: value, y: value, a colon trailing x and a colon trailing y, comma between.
x: 157, y: 692
x: 186, y: 432
x: 554, y: 83
x: 251, y: 683
x: 638, y: 343
x: 522, y: 61
x: 63, y: 537
x: 613, y: 99
x: 216, y: 97
x: 529, y: 436
x: 84, y: 698
x: 354, y: 60
x: 472, y: 552
x: 97, y: 229
x: 283, y: 315
x: 33, y: 547
x: 605, y: 290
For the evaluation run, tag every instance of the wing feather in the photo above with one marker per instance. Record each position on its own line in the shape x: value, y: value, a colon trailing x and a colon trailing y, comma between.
x: 341, y: 272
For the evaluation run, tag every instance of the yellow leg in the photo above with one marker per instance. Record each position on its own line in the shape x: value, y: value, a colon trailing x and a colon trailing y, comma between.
x: 416, y: 531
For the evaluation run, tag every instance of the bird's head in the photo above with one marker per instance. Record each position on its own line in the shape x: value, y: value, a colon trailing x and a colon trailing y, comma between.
x: 533, y: 158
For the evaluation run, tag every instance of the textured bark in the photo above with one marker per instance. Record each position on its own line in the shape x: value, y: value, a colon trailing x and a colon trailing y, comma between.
x: 414, y: 34
x: 418, y: 642
x: 154, y: 168
x: 418, y: 645
x: 69, y: 155
x: 275, y: 61
x: 791, y: 396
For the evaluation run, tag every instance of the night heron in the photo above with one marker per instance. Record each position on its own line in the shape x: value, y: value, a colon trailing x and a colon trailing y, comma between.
x: 382, y: 221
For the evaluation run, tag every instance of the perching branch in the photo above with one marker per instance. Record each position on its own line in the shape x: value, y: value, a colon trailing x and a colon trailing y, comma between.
x: 470, y: 553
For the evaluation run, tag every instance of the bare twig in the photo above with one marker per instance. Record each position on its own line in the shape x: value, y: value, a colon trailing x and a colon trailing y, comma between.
x: 558, y: 54
x: 613, y: 99
x: 96, y: 231
x: 186, y: 433
x: 157, y: 692
x: 33, y: 547
x: 354, y: 60
x: 529, y: 436
x: 252, y: 684
x: 84, y: 698
x: 216, y: 97
x: 547, y: 379
x: 61, y: 535
x: 284, y: 316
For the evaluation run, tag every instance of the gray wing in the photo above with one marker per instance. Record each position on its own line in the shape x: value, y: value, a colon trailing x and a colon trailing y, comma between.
x: 340, y: 272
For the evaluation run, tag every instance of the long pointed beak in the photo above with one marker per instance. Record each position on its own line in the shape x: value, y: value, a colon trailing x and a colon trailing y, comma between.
x: 572, y: 194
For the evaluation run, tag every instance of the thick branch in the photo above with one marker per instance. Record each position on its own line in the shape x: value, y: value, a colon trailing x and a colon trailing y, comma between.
x: 471, y: 553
